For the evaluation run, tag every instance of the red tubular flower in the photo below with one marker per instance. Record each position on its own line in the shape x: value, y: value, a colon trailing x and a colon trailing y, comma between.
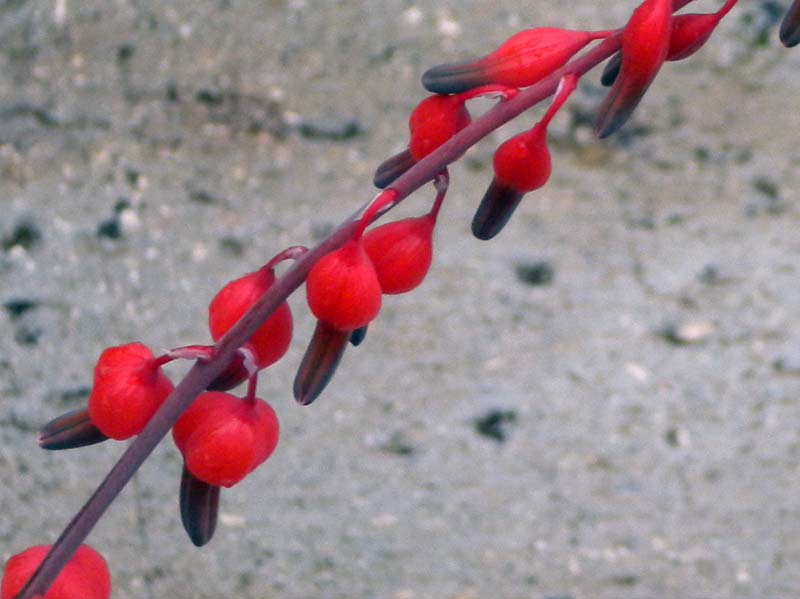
x: 790, y: 26
x: 521, y: 165
x: 522, y: 60
x: 86, y: 575
x: 645, y: 43
x: 129, y: 386
x: 402, y: 251
x: 432, y: 123
x: 689, y: 33
x: 271, y: 341
x: 223, y: 438
x: 435, y: 120
x: 343, y: 288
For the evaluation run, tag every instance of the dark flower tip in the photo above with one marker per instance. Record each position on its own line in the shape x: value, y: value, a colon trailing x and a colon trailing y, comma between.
x: 790, y: 27
x: 70, y: 430
x: 319, y: 362
x: 391, y: 168
x: 495, y: 210
x: 611, y: 70
x: 199, y: 503
x: 455, y: 78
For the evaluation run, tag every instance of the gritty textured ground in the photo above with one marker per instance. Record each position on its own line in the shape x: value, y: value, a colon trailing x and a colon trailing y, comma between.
x: 600, y: 403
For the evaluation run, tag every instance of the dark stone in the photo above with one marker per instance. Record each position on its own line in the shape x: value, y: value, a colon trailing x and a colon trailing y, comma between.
x: 539, y: 272
x: 25, y: 234
x: 132, y: 176
x: 201, y: 196
x: 494, y: 424
x: 19, y: 306
x: 125, y: 52
x: 398, y: 444
x: 109, y: 228
x: 333, y: 128
x: 210, y: 97
x: 232, y: 246
x: 28, y: 336
x: 122, y: 204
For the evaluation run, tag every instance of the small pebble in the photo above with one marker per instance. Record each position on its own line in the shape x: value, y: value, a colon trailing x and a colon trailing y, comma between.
x: 688, y: 333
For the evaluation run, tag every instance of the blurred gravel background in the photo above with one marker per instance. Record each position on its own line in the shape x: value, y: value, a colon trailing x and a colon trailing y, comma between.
x: 600, y: 403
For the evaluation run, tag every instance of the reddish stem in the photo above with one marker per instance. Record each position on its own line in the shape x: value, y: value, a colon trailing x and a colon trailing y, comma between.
x: 441, y: 182
x: 203, y: 373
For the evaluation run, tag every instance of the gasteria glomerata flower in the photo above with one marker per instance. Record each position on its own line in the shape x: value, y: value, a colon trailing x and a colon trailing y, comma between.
x: 85, y: 576
x: 223, y: 437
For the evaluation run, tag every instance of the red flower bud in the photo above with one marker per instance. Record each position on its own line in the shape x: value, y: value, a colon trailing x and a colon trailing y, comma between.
x: 689, y: 33
x: 85, y: 576
x: 435, y: 120
x: 521, y: 164
x: 271, y: 341
x: 522, y: 60
x: 401, y: 252
x: 223, y: 438
x: 790, y: 26
x: 343, y: 289
x: 129, y: 386
x: 645, y: 43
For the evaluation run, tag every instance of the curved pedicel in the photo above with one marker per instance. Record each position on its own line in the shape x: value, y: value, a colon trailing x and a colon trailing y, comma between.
x: 391, y: 168
x: 495, y: 210
x: 70, y: 430
x: 199, y: 502
x: 319, y: 363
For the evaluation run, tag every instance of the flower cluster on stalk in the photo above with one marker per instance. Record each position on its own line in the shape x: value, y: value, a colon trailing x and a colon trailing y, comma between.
x: 223, y: 437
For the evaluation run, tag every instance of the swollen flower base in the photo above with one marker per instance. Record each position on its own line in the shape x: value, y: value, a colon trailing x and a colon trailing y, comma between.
x: 222, y: 437
x: 85, y: 576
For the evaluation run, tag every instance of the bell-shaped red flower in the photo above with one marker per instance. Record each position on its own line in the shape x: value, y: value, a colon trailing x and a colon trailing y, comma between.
x: 645, y: 43
x: 402, y: 251
x: 433, y: 122
x: 790, y: 26
x: 223, y: 438
x: 271, y: 341
x: 85, y: 576
x: 343, y: 288
x: 521, y: 61
x: 521, y: 164
x: 129, y: 386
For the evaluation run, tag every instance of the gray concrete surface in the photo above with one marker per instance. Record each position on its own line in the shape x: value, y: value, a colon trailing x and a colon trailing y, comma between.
x: 645, y: 397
